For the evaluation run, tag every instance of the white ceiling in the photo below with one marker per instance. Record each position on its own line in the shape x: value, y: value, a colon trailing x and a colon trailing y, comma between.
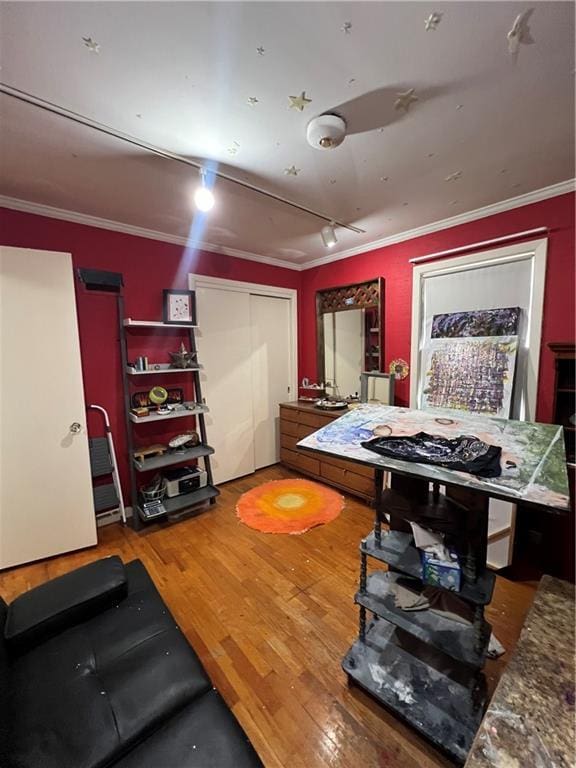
x: 179, y: 75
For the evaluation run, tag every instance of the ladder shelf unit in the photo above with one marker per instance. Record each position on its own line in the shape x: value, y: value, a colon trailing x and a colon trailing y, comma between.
x: 185, y: 504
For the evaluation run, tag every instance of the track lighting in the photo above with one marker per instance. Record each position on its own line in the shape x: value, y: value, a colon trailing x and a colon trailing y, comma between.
x: 329, y: 235
x: 203, y: 197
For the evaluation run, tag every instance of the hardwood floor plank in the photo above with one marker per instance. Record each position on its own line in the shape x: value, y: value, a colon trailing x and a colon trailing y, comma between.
x: 271, y: 617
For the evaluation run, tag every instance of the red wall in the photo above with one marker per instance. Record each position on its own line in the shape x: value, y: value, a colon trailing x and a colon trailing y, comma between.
x: 148, y: 266
x: 392, y: 263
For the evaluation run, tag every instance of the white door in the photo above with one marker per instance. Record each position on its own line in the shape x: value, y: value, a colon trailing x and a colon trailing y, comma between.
x: 270, y: 356
x: 224, y: 344
x: 46, y: 504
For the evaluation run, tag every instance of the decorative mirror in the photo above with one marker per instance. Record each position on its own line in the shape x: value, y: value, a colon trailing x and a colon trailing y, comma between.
x: 350, y: 334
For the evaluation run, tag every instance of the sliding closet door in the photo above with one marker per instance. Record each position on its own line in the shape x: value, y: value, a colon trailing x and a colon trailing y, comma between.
x: 46, y: 504
x: 270, y: 356
x: 224, y: 347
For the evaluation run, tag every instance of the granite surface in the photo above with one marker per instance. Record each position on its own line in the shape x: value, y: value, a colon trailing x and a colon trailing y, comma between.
x: 533, y: 459
x: 530, y: 722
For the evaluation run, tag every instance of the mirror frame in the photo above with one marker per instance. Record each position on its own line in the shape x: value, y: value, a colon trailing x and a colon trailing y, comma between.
x: 368, y: 294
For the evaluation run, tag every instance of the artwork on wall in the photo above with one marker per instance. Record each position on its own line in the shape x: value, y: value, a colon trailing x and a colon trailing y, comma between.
x: 469, y: 361
x: 179, y: 307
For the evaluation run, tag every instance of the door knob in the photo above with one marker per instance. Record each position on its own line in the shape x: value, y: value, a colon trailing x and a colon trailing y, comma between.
x: 75, y: 427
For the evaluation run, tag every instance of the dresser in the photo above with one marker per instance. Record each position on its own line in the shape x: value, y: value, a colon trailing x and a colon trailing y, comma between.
x: 298, y: 420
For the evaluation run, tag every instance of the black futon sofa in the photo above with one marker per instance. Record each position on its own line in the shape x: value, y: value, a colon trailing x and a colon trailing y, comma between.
x: 94, y: 672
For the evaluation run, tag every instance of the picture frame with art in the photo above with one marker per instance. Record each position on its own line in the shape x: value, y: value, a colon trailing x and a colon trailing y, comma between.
x: 179, y: 307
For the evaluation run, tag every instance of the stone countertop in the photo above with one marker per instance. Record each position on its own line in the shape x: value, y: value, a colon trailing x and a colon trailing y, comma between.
x: 530, y: 722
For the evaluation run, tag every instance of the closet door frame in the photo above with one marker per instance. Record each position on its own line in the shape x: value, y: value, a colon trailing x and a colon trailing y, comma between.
x: 225, y: 284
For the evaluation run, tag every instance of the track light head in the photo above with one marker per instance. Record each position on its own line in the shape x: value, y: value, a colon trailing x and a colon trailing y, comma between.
x: 329, y: 235
x: 203, y: 197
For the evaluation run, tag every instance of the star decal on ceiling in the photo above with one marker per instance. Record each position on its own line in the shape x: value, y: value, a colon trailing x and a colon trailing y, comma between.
x: 233, y: 150
x: 332, y: 181
x: 139, y: 115
x: 520, y: 32
x: 432, y: 21
x: 405, y: 99
x: 454, y: 176
x: 92, y: 45
x: 260, y: 51
x: 299, y: 102
x: 346, y: 27
x: 252, y: 101
x: 384, y: 178
x: 459, y: 106
x: 292, y: 171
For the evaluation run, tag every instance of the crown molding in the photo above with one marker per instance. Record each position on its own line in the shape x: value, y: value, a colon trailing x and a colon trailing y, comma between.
x: 562, y: 188
x: 39, y: 209
x: 536, y: 196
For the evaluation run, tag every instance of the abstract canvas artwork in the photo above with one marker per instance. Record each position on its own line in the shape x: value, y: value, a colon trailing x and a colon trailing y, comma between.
x: 469, y: 361
x: 480, y: 322
x: 470, y: 374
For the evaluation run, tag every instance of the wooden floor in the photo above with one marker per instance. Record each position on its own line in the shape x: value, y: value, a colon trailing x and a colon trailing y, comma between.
x: 271, y: 617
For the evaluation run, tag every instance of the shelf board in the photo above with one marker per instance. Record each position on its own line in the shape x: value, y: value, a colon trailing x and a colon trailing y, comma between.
x: 130, y: 323
x: 175, y: 457
x: 436, y: 698
x: 566, y: 389
x: 453, y: 638
x: 168, y: 416
x: 398, y: 551
x: 186, y: 500
x: 164, y: 368
x: 183, y: 502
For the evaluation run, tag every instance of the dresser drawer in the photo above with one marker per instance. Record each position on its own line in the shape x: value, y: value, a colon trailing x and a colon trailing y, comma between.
x: 347, y: 479
x: 315, y: 420
x: 304, y: 430
x: 290, y: 414
x: 288, y: 441
x: 288, y: 428
x: 357, y: 469
x: 297, y: 460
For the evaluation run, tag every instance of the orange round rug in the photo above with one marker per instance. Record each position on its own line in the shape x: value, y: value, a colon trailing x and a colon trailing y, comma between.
x: 289, y: 506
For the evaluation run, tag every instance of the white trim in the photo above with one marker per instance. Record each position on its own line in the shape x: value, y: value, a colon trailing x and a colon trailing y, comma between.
x: 536, y: 250
x: 50, y: 212
x: 225, y: 284
x: 562, y: 188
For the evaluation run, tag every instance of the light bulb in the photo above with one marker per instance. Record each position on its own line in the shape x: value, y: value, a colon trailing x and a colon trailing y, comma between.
x: 203, y: 199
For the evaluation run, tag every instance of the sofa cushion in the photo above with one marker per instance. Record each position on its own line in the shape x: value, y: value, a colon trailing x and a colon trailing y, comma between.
x: 87, y: 695
x: 203, y: 735
x: 64, y: 601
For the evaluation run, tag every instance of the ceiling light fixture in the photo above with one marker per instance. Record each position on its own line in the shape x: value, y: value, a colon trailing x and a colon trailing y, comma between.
x: 326, y: 132
x: 203, y: 197
x: 329, y: 235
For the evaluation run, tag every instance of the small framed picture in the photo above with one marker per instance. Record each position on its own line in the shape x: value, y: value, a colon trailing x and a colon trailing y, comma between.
x: 179, y: 307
